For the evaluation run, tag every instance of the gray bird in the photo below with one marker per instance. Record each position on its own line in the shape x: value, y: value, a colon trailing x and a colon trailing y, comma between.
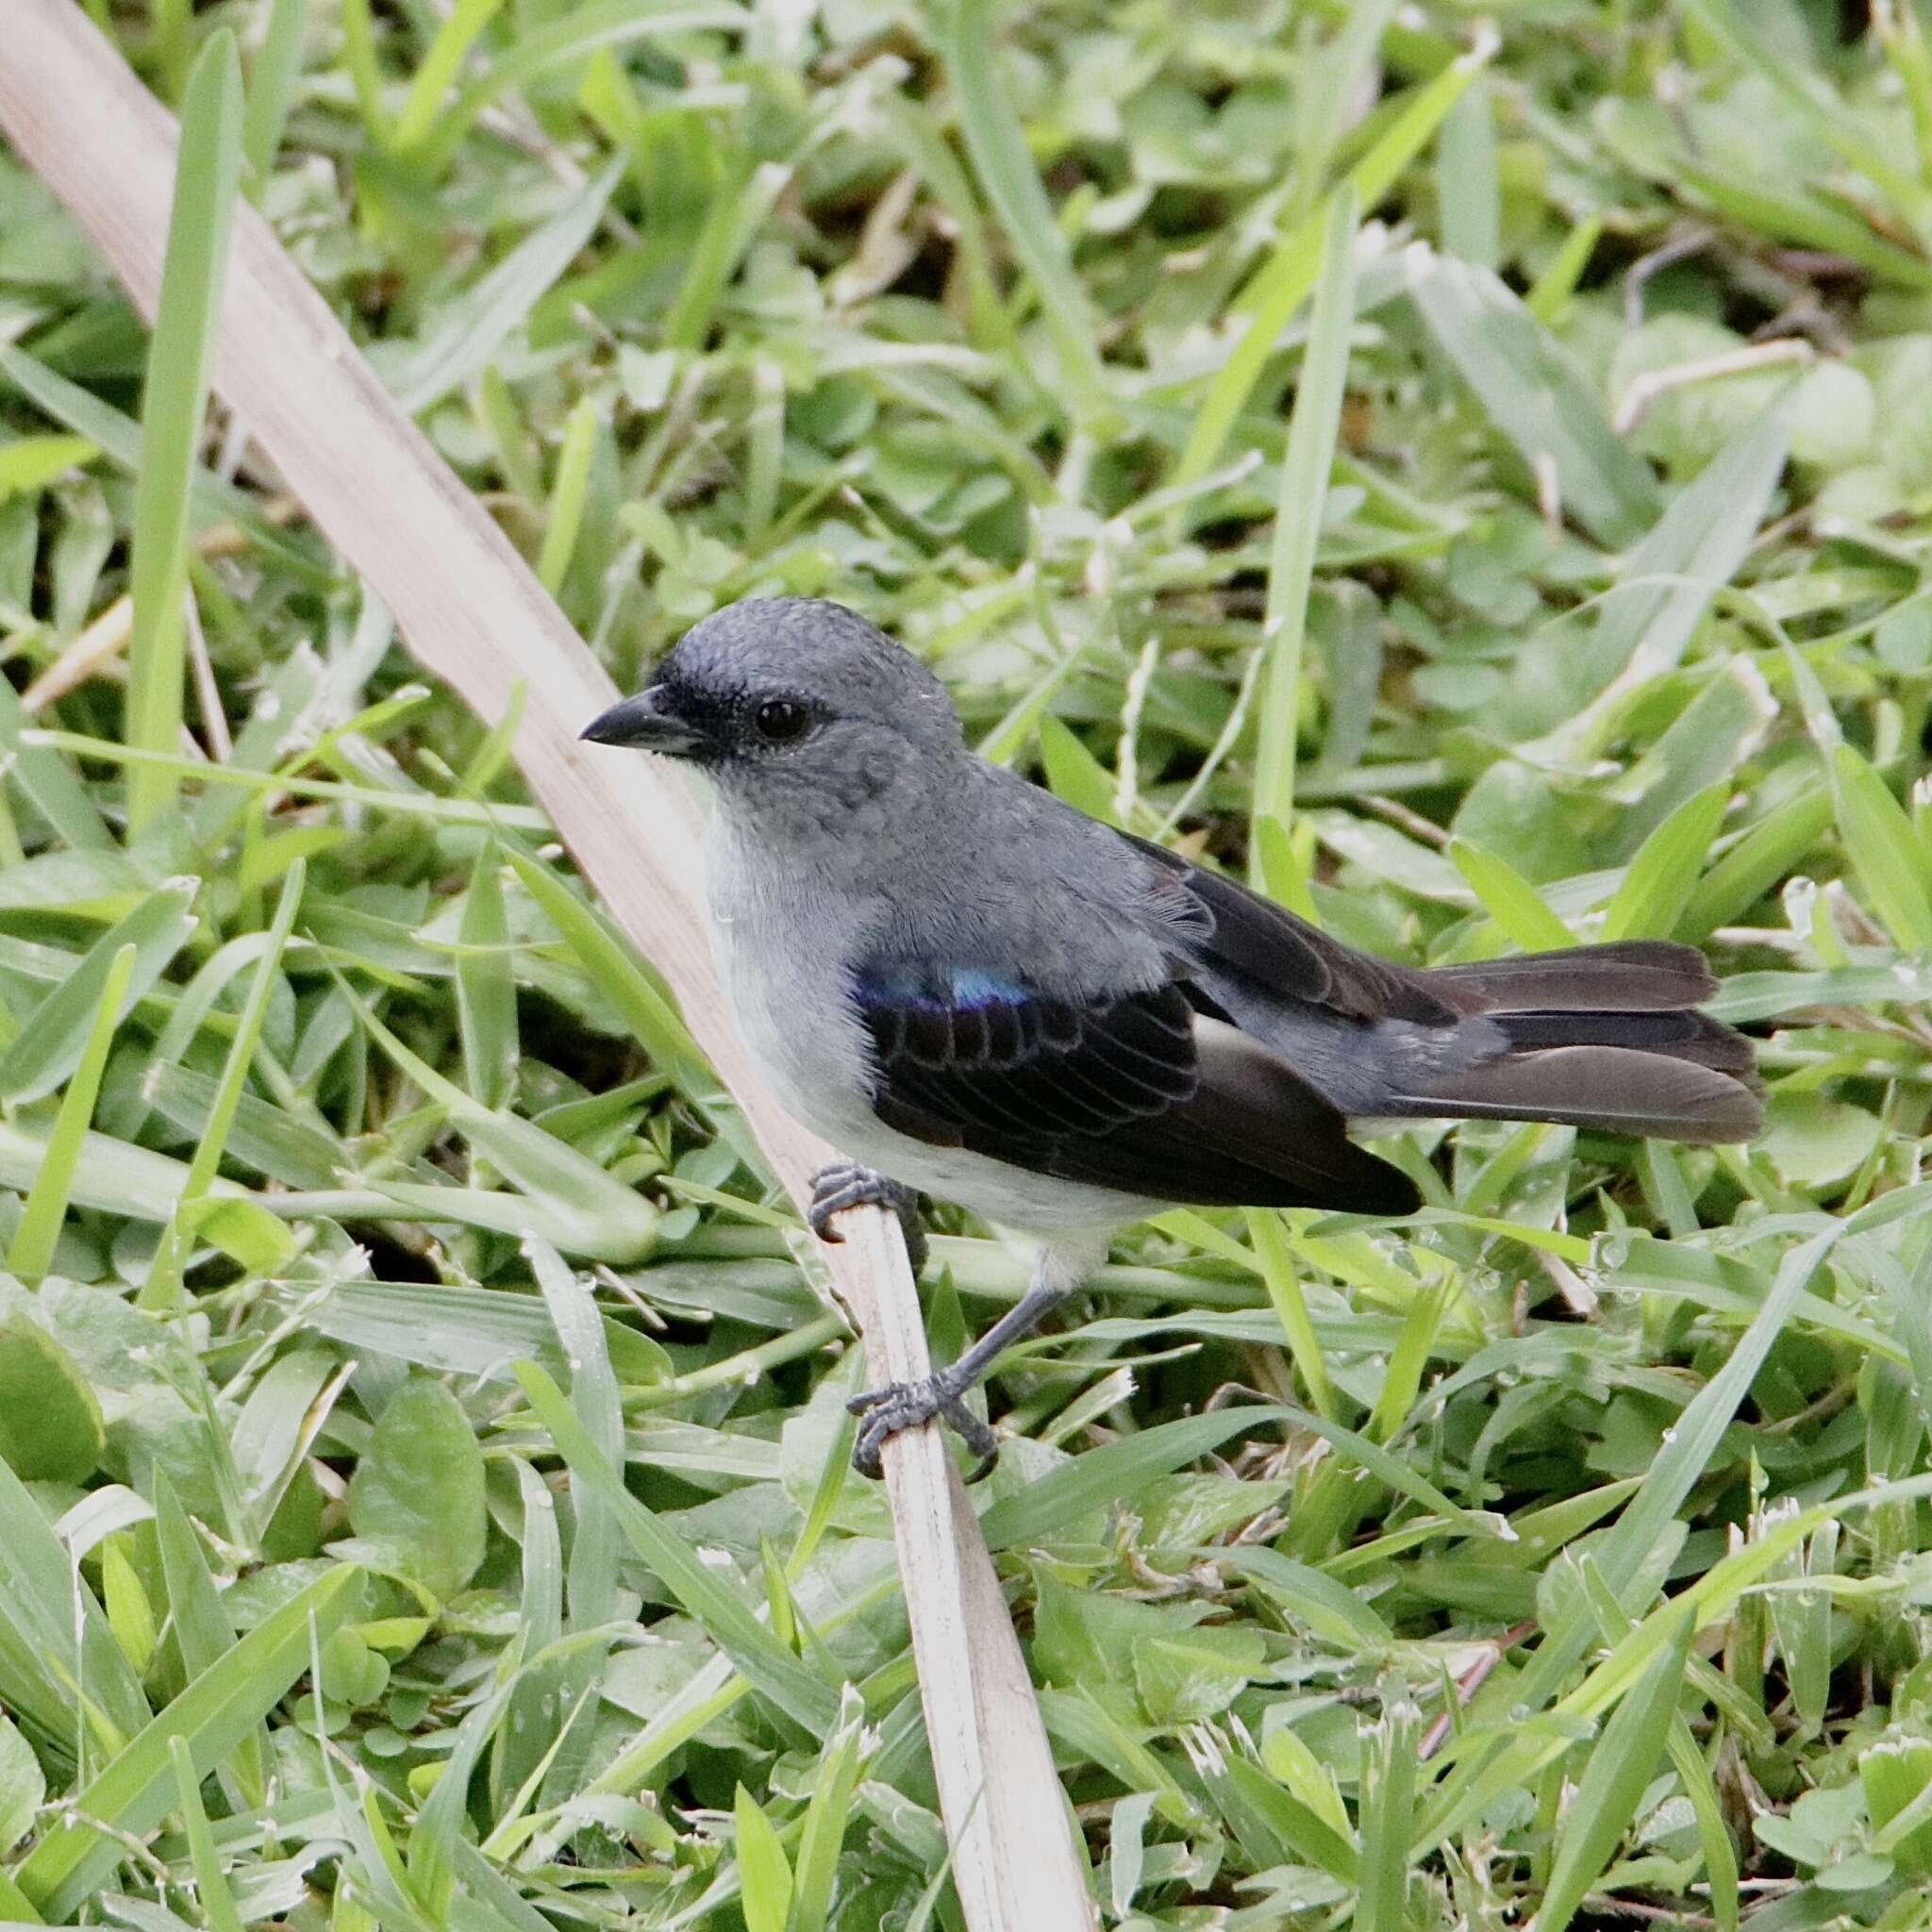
x: 978, y: 993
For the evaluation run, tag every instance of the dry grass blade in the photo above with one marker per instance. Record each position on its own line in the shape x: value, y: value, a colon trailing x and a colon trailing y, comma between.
x: 475, y: 614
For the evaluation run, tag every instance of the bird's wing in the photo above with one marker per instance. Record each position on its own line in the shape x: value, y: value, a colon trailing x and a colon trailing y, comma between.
x: 1267, y: 946
x: 1138, y: 1091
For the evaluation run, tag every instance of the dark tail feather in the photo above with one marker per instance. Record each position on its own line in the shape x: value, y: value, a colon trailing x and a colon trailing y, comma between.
x: 1631, y: 976
x: 1601, y: 1037
x: 1679, y: 1034
x: 1616, y: 1087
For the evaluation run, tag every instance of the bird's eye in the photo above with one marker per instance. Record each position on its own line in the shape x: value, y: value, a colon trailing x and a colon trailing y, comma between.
x: 778, y: 720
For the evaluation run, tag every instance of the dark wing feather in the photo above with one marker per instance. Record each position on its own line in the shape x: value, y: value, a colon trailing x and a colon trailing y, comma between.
x: 1139, y: 1093
x: 1266, y: 945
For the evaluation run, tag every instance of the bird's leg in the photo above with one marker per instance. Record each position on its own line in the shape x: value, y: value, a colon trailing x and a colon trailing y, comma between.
x: 1060, y: 1270
x: 845, y: 1184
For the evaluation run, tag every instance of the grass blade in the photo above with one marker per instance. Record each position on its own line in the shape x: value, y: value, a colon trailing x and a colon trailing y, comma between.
x: 771, y: 1669
x: 475, y: 327
x: 998, y: 147
x: 1388, y: 1816
x: 440, y: 65
x: 825, y: 1819
x: 1279, y: 288
x: 211, y: 1889
x: 1662, y: 877
x: 1510, y: 899
x: 1680, y: 1464
x: 1883, y: 846
x: 1668, y: 581
x: 1536, y: 396
x: 211, y: 1717
x: 271, y: 85
x: 764, y: 1878
x: 1620, y: 1766
x: 486, y: 991
x: 1312, y: 437
x: 1285, y: 1290
x: 32, y: 1251
x: 1466, y: 184
x: 57, y: 1031
x: 163, y: 1284
x: 49, y: 781
x: 179, y: 362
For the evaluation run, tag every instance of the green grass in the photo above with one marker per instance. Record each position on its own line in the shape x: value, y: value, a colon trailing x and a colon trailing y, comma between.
x: 423, y: 1464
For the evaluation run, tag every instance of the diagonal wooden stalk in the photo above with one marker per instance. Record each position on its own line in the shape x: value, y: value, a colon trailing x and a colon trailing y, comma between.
x: 473, y: 612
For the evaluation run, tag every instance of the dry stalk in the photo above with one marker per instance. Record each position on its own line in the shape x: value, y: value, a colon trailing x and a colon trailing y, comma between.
x: 471, y: 611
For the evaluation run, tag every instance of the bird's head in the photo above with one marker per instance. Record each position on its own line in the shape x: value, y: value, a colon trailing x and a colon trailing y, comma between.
x: 799, y: 711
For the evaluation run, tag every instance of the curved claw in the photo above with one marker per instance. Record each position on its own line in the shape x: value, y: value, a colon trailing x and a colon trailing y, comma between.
x: 845, y: 1184
x: 908, y: 1405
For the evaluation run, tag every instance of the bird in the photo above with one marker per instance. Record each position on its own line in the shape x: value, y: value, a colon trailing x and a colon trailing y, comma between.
x: 977, y: 993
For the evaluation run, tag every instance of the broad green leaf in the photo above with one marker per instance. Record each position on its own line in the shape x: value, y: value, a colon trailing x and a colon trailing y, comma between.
x: 416, y: 1499
x: 50, y: 1417
x: 23, y: 1786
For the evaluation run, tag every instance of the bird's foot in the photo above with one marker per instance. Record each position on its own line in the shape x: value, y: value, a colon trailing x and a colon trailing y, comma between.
x: 905, y: 1406
x: 845, y: 1184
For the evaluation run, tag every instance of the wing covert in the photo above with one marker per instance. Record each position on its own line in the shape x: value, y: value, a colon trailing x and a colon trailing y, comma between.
x: 1140, y: 1093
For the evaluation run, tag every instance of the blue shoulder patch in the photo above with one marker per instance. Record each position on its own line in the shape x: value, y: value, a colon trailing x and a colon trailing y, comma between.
x: 968, y: 986
x: 973, y: 989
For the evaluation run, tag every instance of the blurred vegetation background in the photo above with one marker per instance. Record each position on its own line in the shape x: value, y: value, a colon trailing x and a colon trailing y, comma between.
x: 1578, y: 1561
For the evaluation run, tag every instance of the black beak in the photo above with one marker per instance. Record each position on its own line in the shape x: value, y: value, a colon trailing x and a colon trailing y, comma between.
x: 645, y: 723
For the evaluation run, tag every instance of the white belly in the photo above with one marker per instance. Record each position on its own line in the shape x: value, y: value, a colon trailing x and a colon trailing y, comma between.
x: 818, y: 1065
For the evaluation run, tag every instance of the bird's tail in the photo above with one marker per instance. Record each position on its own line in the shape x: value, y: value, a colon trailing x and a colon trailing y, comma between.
x: 1602, y: 1036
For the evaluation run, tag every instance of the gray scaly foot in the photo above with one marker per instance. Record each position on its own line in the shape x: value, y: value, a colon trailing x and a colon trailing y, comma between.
x: 906, y: 1405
